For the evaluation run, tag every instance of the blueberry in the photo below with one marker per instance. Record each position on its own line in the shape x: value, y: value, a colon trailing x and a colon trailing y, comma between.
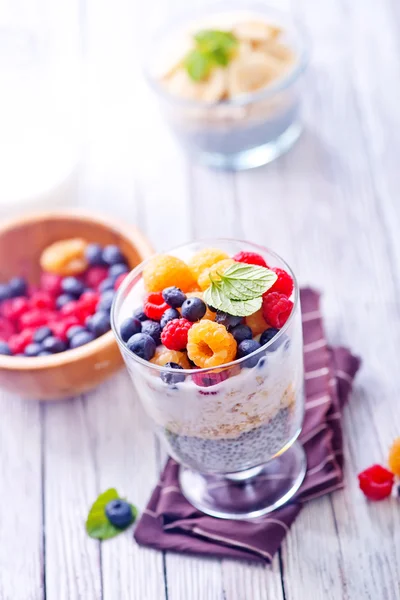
x: 41, y: 334
x: 33, y: 349
x: 142, y: 345
x: 116, y: 270
x: 241, y: 332
x: 18, y: 287
x: 129, y: 327
x: 74, y: 330
x: 247, y: 347
x: 5, y: 349
x: 99, y: 323
x: 193, y: 309
x: 173, y: 296
x: 172, y: 378
x: 94, y: 254
x: 64, y: 299
x: 169, y: 315
x: 153, y: 329
x: 5, y: 292
x: 140, y: 314
x: 81, y: 338
x: 229, y: 321
x: 112, y: 255
x: 107, y: 284
x: 119, y: 513
x: 267, y: 335
x: 54, y: 345
x: 72, y: 286
x: 44, y: 353
x: 106, y: 301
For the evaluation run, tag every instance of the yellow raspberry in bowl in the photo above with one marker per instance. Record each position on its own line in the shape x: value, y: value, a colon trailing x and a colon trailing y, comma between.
x: 204, y: 280
x: 164, y: 271
x: 256, y: 322
x: 204, y: 259
x: 163, y: 356
x: 210, y: 344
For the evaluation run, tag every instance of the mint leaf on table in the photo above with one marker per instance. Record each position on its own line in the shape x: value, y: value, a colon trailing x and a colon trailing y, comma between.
x: 97, y: 524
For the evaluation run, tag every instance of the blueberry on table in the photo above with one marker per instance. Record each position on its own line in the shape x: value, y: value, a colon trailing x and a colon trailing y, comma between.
x: 33, y: 349
x: 129, y: 327
x: 18, y: 287
x: 119, y: 513
x: 74, y: 330
x: 116, y: 270
x: 153, y: 329
x: 169, y: 315
x: 107, y: 284
x: 54, y: 345
x: 140, y: 314
x: 229, y: 321
x: 112, y: 255
x: 5, y: 349
x: 5, y: 292
x: 106, y: 301
x: 247, y: 347
x: 143, y: 345
x: 193, y: 309
x: 94, y: 255
x: 64, y: 299
x: 41, y: 334
x: 72, y: 286
x: 173, y: 296
x: 172, y: 378
x: 99, y: 323
x: 241, y: 332
x: 81, y: 338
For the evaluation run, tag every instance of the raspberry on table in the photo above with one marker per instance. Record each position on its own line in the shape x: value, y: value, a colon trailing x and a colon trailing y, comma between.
x: 276, y: 309
x: 210, y: 344
x: 204, y: 259
x: 284, y: 283
x: 175, y: 334
x: 394, y: 457
x: 204, y: 280
x: 164, y: 271
x: 256, y: 322
x: 155, y: 306
x: 163, y: 356
x: 250, y: 258
x: 376, y: 482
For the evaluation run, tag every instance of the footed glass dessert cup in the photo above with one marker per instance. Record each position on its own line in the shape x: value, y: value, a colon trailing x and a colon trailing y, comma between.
x: 232, y: 428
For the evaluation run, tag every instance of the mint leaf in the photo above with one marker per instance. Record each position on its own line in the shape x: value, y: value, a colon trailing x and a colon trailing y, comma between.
x: 245, y: 282
x: 209, y: 40
x: 198, y: 65
x: 216, y: 297
x: 97, y: 524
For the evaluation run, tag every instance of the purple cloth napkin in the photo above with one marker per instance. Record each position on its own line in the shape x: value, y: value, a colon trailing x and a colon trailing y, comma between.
x: 170, y: 523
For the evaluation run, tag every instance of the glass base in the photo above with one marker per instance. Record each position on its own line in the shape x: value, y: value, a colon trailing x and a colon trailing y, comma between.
x: 254, y: 157
x: 247, y: 494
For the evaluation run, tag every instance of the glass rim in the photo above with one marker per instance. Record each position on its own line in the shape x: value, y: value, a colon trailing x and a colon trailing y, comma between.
x: 242, y: 99
x: 162, y: 369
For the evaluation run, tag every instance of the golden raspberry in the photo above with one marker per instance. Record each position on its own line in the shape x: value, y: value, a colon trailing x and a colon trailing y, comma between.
x: 204, y: 280
x: 210, y: 344
x: 204, y: 259
x: 394, y: 457
x: 163, y: 356
x: 210, y: 315
x: 65, y: 257
x: 164, y: 271
x: 257, y: 323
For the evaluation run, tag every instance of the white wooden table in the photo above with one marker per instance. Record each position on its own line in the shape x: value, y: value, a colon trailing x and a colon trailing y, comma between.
x: 331, y: 207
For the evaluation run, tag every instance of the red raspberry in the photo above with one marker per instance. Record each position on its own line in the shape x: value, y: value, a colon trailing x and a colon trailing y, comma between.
x: 276, y: 309
x: 42, y: 300
x: 35, y: 318
x: 19, y: 341
x: 175, y: 334
x: 208, y: 379
x: 7, y: 329
x: 89, y: 300
x: 251, y: 258
x: 284, y: 283
x: 16, y: 308
x: 71, y: 308
x: 94, y: 276
x: 6, y: 307
x: 60, y: 328
x: 155, y: 307
x: 51, y: 283
x: 119, y: 280
x: 376, y: 482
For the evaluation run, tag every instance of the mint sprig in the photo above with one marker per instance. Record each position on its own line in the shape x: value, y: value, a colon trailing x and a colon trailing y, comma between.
x: 97, y: 524
x: 239, y: 290
x: 212, y: 48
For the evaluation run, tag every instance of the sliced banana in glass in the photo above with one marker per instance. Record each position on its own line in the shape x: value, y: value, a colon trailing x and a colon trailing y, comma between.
x: 251, y: 72
x: 212, y: 89
x: 279, y: 51
x: 256, y: 31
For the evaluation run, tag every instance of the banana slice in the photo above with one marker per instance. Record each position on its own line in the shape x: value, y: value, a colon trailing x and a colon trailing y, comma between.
x: 212, y: 89
x: 252, y: 72
x: 278, y: 51
x: 256, y: 31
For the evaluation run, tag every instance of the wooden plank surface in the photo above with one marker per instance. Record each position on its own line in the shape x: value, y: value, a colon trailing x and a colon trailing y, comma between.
x: 330, y: 207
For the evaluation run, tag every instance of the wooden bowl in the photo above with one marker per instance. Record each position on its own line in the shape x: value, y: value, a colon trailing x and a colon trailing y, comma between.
x: 74, y: 371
